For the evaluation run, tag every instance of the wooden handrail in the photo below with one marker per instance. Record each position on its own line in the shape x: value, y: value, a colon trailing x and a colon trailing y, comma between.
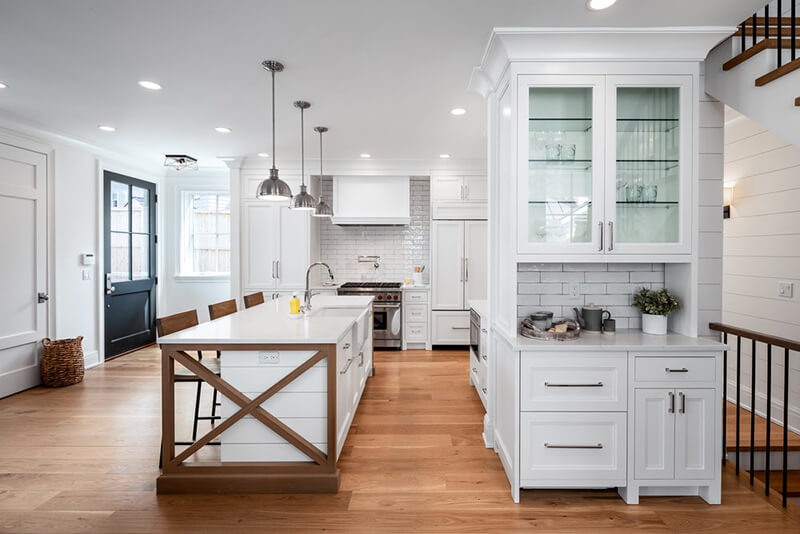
x: 763, y: 338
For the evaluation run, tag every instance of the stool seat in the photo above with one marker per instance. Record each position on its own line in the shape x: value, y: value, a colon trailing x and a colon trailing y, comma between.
x: 182, y: 374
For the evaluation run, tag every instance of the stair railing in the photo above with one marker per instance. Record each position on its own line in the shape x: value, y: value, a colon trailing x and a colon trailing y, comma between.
x: 771, y: 341
x: 757, y: 22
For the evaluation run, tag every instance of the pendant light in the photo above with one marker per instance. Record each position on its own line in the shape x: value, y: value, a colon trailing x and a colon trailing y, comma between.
x: 323, y: 210
x: 273, y: 188
x: 302, y: 200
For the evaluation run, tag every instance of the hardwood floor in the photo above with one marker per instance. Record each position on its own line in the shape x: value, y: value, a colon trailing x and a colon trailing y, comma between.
x: 85, y: 458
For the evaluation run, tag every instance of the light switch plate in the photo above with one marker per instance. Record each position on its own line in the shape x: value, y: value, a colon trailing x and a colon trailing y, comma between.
x: 269, y: 357
x: 785, y: 289
x: 86, y: 274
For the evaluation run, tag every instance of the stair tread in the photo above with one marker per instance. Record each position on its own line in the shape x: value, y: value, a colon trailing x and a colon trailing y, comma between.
x: 760, y: 440
x: 776, y: 481
x: 784, y: 69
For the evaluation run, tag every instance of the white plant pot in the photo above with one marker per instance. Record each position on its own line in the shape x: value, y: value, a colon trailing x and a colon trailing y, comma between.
x: 654, y: 324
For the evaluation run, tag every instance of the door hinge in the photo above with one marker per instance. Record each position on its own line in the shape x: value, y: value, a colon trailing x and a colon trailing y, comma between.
x: 156, y: 280
x: 155, y: 197
x: 156, y: 238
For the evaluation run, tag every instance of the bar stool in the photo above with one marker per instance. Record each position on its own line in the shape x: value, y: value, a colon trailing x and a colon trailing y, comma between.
x: 253, y: 299
x: 221, y: 309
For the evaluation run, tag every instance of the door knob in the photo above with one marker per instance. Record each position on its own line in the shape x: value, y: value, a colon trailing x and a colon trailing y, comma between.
x: 42, y: 297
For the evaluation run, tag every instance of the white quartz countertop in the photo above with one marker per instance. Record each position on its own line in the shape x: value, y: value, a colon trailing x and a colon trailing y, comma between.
x: 623, y: 340
x: 481, y: 307
x: 269, y: 323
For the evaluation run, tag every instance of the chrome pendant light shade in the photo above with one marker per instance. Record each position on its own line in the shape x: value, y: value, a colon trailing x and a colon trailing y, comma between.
x: 303, y: 201
x: 323, y: 209
x: 273, y: 188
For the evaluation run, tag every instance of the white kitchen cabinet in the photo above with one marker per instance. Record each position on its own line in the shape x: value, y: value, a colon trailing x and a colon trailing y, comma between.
x: 694, y: 434
x: 293, y: 255
x: 654, y: 439
x: 460, y: 263
x: 476, y: 188
x: 416, y: 313
x: 450, y: 327
x: 460, y: 188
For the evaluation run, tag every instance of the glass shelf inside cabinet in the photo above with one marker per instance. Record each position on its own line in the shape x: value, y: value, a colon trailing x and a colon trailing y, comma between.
x: 548, y: 124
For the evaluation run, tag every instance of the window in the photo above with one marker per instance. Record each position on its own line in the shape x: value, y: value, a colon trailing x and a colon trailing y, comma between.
x: 206, y: 233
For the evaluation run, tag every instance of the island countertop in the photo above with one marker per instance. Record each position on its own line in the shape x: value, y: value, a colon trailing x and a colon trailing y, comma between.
x: 269, y: 323
x: 624, y: 340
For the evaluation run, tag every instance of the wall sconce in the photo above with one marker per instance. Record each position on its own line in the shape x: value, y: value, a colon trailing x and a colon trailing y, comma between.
x: 727, y: 200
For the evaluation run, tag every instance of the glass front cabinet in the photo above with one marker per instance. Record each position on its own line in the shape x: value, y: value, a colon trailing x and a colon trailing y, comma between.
x: 606, y: 164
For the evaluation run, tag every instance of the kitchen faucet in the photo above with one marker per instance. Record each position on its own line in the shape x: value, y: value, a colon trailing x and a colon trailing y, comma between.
x: 308, y: 293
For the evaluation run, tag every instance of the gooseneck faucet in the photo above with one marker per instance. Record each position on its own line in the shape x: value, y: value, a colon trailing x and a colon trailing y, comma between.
x: 308, y: 293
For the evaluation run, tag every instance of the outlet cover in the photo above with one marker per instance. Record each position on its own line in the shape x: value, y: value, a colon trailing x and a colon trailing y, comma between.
x: 269, y: 357
x: 574, y: 289
x: 785, y: 289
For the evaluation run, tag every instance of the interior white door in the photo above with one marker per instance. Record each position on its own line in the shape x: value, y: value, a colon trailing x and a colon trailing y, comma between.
x: 23, y: 266
x: 695, y: 434
x: 447, y: 244
x: 293, y: 255
x: 259, y: 248
x: 447, y: 188
x: 654, y: 434
x: 476, y: 251
x: 476, y: 188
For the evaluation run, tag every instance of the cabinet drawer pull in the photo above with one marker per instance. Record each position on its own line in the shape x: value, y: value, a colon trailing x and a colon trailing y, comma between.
x: 475, y: 370
x: 346, y: 346
x: 485, y: 357
x: 681, y: 370
x: 683, y: 402
x: 459, y: 327
x: 671, y: 403
x: 549, y: 385
x: 361, y: 355
x: 485, y: 390
x: 346, y: 367
x: 552, y: 446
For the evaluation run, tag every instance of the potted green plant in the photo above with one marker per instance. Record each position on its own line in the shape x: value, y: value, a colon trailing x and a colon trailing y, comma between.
x: 655, y: 305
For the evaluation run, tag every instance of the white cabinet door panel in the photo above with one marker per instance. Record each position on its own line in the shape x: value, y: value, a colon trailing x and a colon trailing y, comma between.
x: 294, y: 247
x: 450, y: 328
x: 654, y: 434
x: 476, y: 250
x: 447, y: 245
x: 446, y: 187
x: 476, y: 187
x: 259, y: 249
x: 695, y: 434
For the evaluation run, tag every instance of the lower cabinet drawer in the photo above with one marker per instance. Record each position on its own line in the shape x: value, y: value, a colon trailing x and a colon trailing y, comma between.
x: 675, y: 369
x: 450, y: 327
x: 415, y: 313
x: 416, y: 332
x: 572, y: 449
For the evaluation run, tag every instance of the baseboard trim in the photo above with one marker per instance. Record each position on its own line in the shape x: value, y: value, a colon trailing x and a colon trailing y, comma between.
x: 91, y: 359
x: 19, y: 380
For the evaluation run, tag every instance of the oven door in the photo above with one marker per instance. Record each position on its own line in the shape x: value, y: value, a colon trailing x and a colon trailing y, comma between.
x: 386, y: 327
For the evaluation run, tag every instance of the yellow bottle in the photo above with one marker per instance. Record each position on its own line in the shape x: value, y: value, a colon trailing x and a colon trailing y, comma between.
x: 294, y: 304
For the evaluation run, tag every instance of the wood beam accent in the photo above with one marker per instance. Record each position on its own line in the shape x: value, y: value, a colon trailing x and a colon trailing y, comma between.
x: 777, y: 73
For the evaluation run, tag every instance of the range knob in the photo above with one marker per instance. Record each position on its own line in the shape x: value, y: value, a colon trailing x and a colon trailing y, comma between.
x: 395, y: 297
x: 380, y: 297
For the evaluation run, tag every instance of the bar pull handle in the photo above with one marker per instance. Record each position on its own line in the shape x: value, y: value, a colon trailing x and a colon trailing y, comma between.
x: 484, y: 390
x: 346, y: 367
x: 681, y: 370
x: 671, y: 403
x: 278, y: 268
x: 549, y: 385
x: 361, y: 355
x: 475, y: 370
x: 466, y: 269
x: 602, y: 232
x: 459, y: 327
x: 610, y: 236
x: 683, y: 402
x: 553, y: 446
x: 273, y: 269
x: 346, y: 346
x: 485, y: 357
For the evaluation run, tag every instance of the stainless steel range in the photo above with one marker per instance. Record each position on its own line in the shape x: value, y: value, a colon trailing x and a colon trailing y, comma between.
x: 387, y: 310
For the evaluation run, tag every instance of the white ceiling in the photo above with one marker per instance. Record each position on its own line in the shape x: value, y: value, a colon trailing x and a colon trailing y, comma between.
x: 382, y: 75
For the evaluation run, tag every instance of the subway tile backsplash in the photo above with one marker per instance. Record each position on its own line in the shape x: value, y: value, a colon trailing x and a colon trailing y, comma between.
x: 546, y: 286
x: 400, y: 247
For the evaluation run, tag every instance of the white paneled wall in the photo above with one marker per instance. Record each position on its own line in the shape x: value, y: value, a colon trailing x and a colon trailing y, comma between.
x: 762, y: 248
x: 546, y: 287
x: 400, y: 247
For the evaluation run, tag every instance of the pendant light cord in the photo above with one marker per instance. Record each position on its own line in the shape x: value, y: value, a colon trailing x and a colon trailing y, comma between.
x: 273, y: 119
x: 302, y: 150
x: 320, y: 156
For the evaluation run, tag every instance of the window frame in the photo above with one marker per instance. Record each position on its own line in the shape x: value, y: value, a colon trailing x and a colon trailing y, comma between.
x: 186, y: 235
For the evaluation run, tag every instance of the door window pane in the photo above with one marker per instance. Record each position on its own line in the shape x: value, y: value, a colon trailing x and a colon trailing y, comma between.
x: 648, y: 165
x: 140, y: 209
x: 560, y: 165
x: 120, y: 256
x: 119, y: 207
x: 141, y: 256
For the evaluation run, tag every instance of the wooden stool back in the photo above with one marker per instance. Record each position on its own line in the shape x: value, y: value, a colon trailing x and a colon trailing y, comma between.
x: 175, y: 323
x: 221, y: 309
x: 253, y: 299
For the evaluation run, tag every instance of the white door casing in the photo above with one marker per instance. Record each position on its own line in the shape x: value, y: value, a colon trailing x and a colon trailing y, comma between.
x: 23, y: 266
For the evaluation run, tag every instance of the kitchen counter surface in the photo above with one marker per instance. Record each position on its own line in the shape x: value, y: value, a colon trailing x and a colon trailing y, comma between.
x: 416, y: 287
x: 481, y: 307
x: 269, y: 323
x: 623, y: 340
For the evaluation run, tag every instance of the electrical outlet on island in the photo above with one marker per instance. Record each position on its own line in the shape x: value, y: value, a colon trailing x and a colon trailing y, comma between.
x: 269, y: 357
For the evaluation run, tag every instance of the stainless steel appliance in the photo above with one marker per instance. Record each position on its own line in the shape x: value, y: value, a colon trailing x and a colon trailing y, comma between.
x: 387, y: 310
x: 475, y: 334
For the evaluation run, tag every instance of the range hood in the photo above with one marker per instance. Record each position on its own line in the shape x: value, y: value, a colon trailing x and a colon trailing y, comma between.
x: 371, y: 200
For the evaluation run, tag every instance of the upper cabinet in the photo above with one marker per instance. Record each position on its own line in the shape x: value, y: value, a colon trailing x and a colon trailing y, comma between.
x: 459, y: 197
x: 606, y: 164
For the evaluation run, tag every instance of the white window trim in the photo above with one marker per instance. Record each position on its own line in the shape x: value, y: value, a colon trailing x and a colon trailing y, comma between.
x: 184, y: 196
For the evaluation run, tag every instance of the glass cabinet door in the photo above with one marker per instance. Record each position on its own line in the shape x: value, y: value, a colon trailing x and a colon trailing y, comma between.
x: 561, y: 202
x: 645, y: 185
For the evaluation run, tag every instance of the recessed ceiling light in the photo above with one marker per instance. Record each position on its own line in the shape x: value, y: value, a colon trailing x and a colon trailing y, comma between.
x: 263, y: 155
x: 223, y: 129
x: 458, y: 111
x: 225, y: 158
x: 597, y: 5
x: 444, y: 156
x: 366, y: 156
x: 153, y: 86
x: 106, y: 128
x: 2, y: 85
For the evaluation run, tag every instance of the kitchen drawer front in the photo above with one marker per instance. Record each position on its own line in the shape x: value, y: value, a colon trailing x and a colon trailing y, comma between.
x: 450, y: 327
x: 574, y: 382
x: 415, y: 313
x: 572, y: 449
x: 416, y: 332
x: 674, y: 369
x: 416, y: 297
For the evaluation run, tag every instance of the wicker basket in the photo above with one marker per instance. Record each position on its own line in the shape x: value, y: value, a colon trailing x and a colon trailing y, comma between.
x: 62, y: 363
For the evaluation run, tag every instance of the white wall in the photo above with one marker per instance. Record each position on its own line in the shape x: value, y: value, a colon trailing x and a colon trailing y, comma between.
x: 761, y: 248
x: 181, y: 293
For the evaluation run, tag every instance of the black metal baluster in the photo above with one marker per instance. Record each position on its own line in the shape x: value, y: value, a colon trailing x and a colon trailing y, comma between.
x: 785, y: 421
x: 780, y: 33
x: 766, y: 22
x: 744, y: 35
x: 738, y: 393
x: 769, y: 415
x: 794, y: 30
x: 755, y: 28
x: 724, y: 399
x: 752, y: 411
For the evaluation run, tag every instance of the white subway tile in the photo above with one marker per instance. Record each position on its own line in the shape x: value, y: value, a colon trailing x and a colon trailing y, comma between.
x: 563, y: 276
x: 647, y: 277
x: 608, y: 277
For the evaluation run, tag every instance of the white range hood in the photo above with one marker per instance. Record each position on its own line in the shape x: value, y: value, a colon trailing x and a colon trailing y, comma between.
x: 371, y: 200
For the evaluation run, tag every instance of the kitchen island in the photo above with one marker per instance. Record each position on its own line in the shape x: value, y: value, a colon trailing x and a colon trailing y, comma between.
x: 289, y: 390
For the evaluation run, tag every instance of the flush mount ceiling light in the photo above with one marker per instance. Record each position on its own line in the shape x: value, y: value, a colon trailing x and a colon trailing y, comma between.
x: 153, y: 86
x: 180, y: 161
x: 444, y: 156
x: 597, y: 5
x: 263, y: 155
x: 302, y: 200
x: 323, y: 210
x: 366, y: 156
x: 105, y: 128
x: 223, y: 129
x: 458, y: 111
x: 273, y: 188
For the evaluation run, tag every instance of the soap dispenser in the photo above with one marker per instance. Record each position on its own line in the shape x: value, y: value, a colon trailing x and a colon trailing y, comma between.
x: 294, y: 304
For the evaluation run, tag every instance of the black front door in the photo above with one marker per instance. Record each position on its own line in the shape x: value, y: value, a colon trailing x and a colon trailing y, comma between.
x: 130, y: 263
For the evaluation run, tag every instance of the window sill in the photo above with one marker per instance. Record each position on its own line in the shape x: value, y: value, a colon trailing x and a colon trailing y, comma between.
x: 199, y: 278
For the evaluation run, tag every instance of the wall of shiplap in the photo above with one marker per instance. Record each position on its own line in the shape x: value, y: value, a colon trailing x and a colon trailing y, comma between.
x: 761, y: 249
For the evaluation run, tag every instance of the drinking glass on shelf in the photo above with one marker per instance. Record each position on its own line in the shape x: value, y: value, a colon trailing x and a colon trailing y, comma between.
x: 634, y: 191
x: 650, y: 193
x: 553, y: 151
x: 568, y: 152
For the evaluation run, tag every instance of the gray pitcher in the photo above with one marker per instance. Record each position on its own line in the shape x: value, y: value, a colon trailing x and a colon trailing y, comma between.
x: 590, y: 317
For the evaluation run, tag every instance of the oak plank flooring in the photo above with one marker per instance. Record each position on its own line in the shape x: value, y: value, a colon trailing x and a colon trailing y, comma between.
x: 85, y: 459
